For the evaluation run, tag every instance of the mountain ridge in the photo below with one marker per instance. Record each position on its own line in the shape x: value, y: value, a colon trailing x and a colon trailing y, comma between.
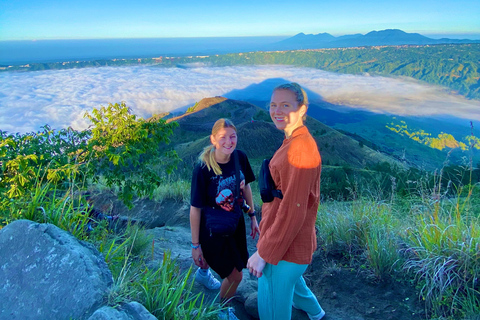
x: 259, y: 137
x: 372, y: 38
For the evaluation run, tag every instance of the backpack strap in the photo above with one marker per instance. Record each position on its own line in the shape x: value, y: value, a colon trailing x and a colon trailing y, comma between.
x: 237, y: 174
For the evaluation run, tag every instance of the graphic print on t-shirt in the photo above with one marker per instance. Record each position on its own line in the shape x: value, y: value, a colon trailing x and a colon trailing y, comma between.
x: 225, y: 192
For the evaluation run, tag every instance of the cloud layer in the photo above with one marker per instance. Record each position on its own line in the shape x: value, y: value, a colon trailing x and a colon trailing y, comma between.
x: 60, y: 98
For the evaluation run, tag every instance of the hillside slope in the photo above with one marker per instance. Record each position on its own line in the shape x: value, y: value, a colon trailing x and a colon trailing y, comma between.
x: 259, y: 138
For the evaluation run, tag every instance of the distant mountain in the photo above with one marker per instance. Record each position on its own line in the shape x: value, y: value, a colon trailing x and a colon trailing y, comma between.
x: 302, y: 39
x: 373, y: 38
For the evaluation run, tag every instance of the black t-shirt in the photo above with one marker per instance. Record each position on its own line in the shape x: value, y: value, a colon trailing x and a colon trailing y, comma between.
x: 209, y: 189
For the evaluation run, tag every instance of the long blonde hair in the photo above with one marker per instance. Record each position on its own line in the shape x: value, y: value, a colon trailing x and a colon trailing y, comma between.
x: 208, y: 154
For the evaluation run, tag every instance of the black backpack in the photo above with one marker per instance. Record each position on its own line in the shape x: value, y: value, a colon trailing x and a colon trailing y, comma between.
x: 266, y: 184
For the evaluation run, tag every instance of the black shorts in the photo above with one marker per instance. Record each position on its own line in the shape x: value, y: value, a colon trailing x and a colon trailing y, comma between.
x: 225, y: 253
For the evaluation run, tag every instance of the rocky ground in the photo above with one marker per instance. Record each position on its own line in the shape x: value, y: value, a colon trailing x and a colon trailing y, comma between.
x: 343, y: 292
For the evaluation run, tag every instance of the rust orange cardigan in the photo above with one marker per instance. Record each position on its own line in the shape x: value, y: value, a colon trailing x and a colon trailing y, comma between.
x: 287, y: 229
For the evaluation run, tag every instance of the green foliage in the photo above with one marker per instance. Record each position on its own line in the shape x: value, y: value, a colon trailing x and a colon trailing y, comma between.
x: 262, y: 115
x: 126, y: 148
x: 119, y: 148
x: 443, y: 141
x: 44, y: 203
x: 166, y: 293
x: 192, y: 108
x: 444, y: 244
x: 48, y: 154
x: 386, y: 181
x: 175, y: 188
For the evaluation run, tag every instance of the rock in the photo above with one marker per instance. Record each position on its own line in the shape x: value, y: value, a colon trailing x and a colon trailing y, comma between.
x: 176, y: 240
x: 109, y: 313
x: 129, y: 311
x: 49, y: 274
x: 251, y: 305
x: 138, y: 311
x: 248, y: 285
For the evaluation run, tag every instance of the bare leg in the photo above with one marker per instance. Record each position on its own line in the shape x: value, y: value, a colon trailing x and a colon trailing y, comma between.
x: 230, y: 284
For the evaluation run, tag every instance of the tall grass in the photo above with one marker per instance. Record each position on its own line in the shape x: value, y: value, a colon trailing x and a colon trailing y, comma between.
x: 167, y: 293
x: 444, y: 255
x: 360, y: 232
x: 45, y: 203
x: 432, y: 237
x: 177, y: 189
x: 164, y: 291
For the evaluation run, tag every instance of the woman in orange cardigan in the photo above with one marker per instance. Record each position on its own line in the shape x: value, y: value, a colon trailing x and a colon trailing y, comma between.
x: 288, y: 239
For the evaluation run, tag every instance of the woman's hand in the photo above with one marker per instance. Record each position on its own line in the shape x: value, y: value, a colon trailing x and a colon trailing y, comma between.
x: 254, y: 227
x: 256, y: 264
x: 197, y: 256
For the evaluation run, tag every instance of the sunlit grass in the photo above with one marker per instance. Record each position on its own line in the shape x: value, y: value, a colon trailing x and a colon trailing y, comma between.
x: 176, y: 189
x: 47, y: 204
x: 360, y: 232
x: 444, y: 255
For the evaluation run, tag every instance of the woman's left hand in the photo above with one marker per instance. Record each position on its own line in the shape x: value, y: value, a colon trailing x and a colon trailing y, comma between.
x: 254, y: 227
x: 256, y: 264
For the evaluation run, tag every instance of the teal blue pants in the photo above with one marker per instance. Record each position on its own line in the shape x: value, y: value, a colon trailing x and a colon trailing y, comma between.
x: 279, y: 286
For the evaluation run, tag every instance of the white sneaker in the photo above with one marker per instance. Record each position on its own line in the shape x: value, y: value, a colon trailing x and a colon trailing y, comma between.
x: 227, y: 314
x: 315, y: 317
x: 209, y: 281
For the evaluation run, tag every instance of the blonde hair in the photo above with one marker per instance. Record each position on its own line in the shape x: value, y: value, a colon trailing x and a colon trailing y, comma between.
x: 300, y: 94
x: 208, y: 154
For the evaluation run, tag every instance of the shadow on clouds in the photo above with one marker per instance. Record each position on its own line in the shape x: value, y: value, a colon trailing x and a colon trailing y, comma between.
x: 60, y: 98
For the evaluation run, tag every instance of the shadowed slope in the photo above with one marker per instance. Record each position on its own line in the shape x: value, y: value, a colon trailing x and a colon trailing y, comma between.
x: 259, y: 138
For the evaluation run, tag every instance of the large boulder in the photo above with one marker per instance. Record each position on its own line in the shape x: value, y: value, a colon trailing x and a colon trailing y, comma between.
x: 49, y: 274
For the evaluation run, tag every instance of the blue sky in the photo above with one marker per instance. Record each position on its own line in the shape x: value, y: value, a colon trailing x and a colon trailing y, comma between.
x: 89, y: 19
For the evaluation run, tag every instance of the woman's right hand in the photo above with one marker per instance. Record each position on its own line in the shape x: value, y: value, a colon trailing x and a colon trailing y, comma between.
x: 198, y: 258
x: 256, y: 264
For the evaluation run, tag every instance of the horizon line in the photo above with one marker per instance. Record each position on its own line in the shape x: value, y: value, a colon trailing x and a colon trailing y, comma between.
x: 436, y: 35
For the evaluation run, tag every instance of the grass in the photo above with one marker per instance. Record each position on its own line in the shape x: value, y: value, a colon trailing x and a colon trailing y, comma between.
x: 176, y: 189
x: 432, y: 239
x: 444, y: 255
x: 360, y: 232
x: 167, y: 293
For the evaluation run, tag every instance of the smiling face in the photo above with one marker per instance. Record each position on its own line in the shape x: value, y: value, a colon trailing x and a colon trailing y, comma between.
x: 285, y: 112
x: 225, y: 141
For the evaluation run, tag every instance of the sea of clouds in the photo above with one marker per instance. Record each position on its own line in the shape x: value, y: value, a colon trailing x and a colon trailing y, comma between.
x: 60, y: 98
